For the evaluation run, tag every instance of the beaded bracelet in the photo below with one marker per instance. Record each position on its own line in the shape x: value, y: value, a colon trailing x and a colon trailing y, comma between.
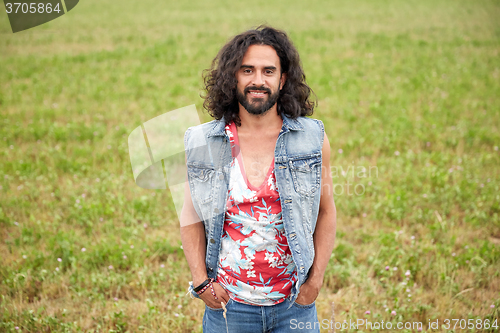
x: 209, y: 284
x: 202, y: 290
x: 212, y: 289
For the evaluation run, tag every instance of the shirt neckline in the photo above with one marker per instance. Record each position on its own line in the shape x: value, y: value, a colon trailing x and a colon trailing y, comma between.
x: 239, y: 156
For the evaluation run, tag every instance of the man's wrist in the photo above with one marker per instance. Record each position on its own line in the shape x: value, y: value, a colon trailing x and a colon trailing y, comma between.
x: 316, y: 279
x: 197, y: 288
x: 199, y: 280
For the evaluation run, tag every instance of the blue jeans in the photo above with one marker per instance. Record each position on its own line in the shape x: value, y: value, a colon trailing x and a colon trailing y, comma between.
x: 279, y: 318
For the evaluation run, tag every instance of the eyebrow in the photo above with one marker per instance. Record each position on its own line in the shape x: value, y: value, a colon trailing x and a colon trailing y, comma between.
x: 252, y: 67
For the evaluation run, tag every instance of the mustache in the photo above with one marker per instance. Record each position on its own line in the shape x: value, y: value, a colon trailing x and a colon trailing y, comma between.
x: 261, y: 88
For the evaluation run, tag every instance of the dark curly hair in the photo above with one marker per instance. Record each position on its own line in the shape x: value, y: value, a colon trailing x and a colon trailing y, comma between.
x: 220, y: 79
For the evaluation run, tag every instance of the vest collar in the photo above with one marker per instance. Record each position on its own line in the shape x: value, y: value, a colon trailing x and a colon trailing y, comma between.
x: 292, y: 124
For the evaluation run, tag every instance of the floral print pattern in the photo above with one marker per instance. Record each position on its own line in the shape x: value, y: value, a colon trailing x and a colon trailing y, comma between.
x: 255, y: 263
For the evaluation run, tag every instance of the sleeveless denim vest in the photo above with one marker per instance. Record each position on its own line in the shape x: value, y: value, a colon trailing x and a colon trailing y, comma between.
x: 297, y: 166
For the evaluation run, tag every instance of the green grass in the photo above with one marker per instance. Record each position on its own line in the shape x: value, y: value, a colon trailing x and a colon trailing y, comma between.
x: 408, y: 90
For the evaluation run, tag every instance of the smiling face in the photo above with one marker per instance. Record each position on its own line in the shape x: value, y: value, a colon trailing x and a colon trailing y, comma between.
x: 259, y: 79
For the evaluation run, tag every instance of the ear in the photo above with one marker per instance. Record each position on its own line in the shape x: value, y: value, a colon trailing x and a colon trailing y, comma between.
x: 282, y: 80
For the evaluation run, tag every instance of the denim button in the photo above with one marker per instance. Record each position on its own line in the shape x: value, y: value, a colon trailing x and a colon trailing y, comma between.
x: 212, y: 240
x: 221, y: 177
x: 216, y: 210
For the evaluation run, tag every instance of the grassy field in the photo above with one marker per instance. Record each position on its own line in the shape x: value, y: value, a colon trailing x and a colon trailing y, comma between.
x: 407, y: 90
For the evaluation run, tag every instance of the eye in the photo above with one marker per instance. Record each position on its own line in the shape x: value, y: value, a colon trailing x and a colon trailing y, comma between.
x: 247, y: 71
x: 269, y: 72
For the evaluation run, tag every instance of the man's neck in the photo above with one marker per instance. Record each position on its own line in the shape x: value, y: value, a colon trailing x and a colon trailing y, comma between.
x: 269, y: 121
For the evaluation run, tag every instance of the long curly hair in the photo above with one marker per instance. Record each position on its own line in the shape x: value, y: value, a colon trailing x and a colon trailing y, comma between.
x: 220, y: 80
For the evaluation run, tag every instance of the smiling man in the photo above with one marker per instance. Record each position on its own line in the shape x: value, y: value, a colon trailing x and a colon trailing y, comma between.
x: 258, y: 100
x: 258, y: 222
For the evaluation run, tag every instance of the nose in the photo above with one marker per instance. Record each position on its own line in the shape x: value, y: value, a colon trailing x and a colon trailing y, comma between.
x: 258, y: 79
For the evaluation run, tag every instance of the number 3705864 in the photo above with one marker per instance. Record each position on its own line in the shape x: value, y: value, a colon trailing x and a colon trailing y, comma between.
x: 470, y: 324
x: 33, y: 7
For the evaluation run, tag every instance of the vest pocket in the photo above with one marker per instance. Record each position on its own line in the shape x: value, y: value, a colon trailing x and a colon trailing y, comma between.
x: 201, y: 181
x: 306, y: 174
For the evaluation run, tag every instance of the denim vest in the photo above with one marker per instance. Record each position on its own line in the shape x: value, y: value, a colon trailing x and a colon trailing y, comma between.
x: 297, y: 166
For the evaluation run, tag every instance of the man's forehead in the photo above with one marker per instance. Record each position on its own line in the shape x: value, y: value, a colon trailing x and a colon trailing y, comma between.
x: 261, y: 55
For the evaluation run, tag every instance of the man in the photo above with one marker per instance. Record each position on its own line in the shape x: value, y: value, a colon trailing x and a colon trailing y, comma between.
x: 258, y: 222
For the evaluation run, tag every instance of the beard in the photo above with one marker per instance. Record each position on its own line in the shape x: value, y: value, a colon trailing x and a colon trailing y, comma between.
x: 259, y: 106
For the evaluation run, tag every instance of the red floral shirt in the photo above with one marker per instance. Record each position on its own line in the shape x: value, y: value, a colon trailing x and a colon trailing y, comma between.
x: 255, y: 262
